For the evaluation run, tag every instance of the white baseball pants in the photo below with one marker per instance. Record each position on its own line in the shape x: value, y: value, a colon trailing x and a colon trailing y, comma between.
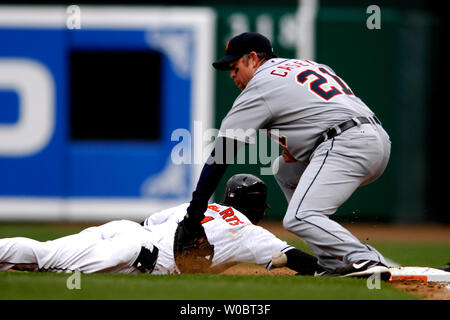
x: 112, y: 247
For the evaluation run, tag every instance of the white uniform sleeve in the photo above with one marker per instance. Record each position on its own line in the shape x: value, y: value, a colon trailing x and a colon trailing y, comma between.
x: 258, y: 246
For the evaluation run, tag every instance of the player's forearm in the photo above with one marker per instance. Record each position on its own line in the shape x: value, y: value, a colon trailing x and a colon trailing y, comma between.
x: 302, y: 262
x: 207, y: 183
x: 214, y: 169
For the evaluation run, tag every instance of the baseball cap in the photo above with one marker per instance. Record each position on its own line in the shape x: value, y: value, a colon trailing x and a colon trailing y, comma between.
x: 242, y: 44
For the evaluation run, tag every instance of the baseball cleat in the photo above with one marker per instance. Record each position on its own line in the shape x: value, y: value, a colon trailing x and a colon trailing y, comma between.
x: 360, y: 269
x: 446, y: 267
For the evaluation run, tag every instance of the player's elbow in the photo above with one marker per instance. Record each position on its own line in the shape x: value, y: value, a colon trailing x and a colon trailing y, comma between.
x: 288, y: 224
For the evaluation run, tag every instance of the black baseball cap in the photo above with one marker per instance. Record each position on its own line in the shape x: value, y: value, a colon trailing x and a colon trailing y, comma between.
x: 242, y: 44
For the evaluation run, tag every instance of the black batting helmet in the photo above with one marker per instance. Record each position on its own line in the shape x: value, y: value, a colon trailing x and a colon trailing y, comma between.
x: 248, y: 194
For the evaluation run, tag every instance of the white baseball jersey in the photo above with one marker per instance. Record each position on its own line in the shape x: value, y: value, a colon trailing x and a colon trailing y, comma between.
x: 234, y: 237
x: 114, y: 246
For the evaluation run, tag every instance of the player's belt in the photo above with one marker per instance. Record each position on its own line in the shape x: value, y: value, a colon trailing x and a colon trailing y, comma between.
x: 344, y: 126
x: 146, y: 260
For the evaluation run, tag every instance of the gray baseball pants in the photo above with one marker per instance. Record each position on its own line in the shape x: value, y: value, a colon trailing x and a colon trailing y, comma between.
x: 316, y: 190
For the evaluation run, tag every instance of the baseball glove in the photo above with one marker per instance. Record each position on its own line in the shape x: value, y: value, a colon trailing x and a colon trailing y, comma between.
x: 191, y: 249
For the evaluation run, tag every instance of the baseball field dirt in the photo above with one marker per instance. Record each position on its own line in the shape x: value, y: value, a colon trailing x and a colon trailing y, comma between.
x: 378, y: 233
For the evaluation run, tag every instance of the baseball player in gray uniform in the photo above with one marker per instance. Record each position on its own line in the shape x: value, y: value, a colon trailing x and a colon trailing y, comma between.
x: 332, y: 144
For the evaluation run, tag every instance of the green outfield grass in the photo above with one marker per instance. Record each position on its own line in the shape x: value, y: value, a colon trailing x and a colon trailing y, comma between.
x: 15, y: 285
x: 49, y: 286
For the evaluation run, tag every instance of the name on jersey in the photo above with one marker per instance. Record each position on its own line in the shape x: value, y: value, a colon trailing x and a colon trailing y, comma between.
x: 227, y: 215
x: 284, y: 69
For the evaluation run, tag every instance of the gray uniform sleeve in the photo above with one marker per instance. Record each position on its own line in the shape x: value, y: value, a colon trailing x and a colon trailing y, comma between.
x: 249, y: 113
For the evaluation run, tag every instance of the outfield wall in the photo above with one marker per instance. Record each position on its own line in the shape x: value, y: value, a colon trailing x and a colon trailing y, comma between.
x: 95, y: 101
x: 91, y: 97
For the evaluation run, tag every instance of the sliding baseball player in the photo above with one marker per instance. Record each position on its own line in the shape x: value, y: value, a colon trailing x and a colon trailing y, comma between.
x: 128, y: 247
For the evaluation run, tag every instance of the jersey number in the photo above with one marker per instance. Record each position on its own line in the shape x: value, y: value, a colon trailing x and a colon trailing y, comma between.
x: 324, y: 78
x: 206, y: 219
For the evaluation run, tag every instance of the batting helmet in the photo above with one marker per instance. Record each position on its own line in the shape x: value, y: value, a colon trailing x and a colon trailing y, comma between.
x: 248, y: 194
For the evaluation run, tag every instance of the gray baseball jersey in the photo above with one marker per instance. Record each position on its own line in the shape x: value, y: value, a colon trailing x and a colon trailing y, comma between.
x: 300, y: 98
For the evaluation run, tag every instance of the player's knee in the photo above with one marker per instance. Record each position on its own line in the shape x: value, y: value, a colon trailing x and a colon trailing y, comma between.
x: 280, y: 173
x: 292, y: 221
x: 22, y: 247
x: 23, y: 244
x: 286, y: 174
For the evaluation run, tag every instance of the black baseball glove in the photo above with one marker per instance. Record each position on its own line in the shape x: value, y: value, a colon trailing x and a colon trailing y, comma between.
x: 191, y: 249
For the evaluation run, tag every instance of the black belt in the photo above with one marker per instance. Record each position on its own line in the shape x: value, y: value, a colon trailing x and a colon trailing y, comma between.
x: 146, y: 260
x: 344, y: 126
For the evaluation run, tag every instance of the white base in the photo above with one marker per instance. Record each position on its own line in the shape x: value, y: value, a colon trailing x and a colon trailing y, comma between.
x: 424, y: 274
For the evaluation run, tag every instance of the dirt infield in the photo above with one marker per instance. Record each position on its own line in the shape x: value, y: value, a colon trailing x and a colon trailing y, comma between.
x: 398, y: 233
x: 424, y: 290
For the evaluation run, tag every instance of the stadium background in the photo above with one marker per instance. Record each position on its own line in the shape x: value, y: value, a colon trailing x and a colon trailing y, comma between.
x: 397, y: 70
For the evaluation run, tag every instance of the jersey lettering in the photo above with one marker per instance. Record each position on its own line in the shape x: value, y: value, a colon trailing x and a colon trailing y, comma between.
x: 315, y: 85
x: 291, y: 65
x: 275, y: 73
x: 229, y: 216
x: 234, y: 221
x: 227, y: 213
x: 317, y: 82
x: 214, y: 208
x: 206, y: 219
x: 341, y: 83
